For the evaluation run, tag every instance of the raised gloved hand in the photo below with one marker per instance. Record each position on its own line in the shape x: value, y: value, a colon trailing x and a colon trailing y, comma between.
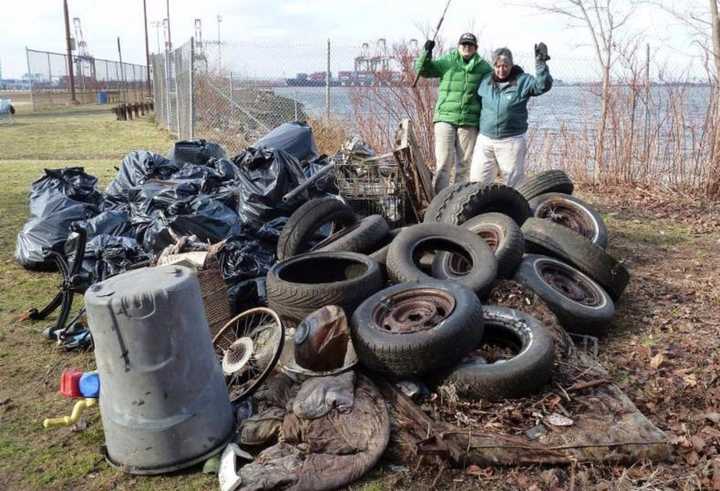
x: 429, y: 45
x: 541, y: 52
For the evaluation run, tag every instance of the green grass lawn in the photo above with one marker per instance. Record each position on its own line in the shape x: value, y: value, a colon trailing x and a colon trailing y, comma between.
x: 30, y: 366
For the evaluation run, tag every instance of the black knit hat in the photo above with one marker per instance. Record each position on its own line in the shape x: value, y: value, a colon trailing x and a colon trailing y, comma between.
x: 468, y: 38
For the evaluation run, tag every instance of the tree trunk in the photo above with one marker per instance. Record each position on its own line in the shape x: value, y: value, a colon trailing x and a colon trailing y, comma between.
x: 602, y: 125
x: 713, y: 185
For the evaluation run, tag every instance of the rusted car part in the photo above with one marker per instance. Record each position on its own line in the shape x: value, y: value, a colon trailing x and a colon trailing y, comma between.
x: 572, y: 213
x: 248, y: 348
x: 412, y: 329
x: 581, y: 305
x: 321, y: 339
x: 513, y: 359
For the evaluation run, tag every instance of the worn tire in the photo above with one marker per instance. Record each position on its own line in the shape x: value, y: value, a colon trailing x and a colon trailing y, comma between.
x: 438, y: 205
x: 475, y: 199
x: 549, y: 181
x: 573, y: 213
x: 405, y: 250
x: 307, y: 220
x: 581, y: 305
x: 550, y: 239
x: 416, y: 353
x: 304, y: 283
x: 524, y: 374
x: 361, y: 237
x: 381, y: 254
x: 502, y: 235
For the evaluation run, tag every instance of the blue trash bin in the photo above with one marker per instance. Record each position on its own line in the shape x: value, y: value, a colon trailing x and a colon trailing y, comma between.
x: 102, y: 97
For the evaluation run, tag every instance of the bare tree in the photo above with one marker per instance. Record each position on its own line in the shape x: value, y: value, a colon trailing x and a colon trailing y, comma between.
x: 604, y: 20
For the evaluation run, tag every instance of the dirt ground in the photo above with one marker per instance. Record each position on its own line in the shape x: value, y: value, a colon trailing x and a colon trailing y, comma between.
x: 662, y: 349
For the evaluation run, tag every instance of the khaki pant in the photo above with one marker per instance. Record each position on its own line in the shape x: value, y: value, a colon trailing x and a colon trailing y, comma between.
x: 453, y: 153
x: 506, y: 155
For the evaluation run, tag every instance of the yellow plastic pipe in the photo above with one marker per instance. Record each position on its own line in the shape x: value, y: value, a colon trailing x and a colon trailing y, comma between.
x: 78, y: 409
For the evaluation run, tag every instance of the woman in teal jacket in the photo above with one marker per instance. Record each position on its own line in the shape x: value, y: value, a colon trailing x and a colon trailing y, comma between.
x: 457, y: 112
x: 502, y: 143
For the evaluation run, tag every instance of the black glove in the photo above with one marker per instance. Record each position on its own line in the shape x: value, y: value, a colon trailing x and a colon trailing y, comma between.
x: 541, y: 53
x: 429, y: 45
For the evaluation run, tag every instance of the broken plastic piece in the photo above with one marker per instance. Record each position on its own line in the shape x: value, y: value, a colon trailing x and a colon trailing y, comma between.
x: 228, y: 475
x: 69, y: 382
x: 78, y: 409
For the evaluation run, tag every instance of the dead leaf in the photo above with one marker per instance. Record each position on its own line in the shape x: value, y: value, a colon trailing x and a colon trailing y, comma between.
x: 692, y: 458
x: 697, y: 442
x: 556, y: 419
x: 656, y: 361
x: 714, y: 417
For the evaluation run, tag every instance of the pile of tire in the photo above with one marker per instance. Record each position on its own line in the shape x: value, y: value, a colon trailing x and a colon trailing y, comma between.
x: 415, y: 294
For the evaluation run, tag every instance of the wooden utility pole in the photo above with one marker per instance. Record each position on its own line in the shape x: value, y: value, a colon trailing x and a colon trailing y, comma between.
x: 147, y: 48
x: 68, y: 41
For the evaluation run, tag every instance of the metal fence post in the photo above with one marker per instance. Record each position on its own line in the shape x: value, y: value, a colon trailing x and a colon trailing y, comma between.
x: 327, y: 85
x: 32, y: 96
x: 177, y: 90
x: 191, y: 100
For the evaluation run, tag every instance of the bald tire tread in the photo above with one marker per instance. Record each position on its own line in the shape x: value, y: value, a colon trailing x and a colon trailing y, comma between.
x: 295, y: 300
x: 550, y: 181
x: 438, y: 205
x: 574, y: 316
x: 550, y: 239
x: 595, y: 224
x: 517, y: 377
x: 307, y: 220
x: 475, y: 199
x: 367, y: 234
x: 415, y: 354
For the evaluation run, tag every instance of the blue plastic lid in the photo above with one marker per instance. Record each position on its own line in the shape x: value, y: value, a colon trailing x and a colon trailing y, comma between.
x: 90, y: 384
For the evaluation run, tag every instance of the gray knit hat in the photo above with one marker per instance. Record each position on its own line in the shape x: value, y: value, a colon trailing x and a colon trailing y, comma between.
x: 502, y: 53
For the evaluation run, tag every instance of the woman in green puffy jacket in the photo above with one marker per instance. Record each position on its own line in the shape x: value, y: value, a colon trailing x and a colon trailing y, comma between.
x: 502, y: 143
x: 457, y: 112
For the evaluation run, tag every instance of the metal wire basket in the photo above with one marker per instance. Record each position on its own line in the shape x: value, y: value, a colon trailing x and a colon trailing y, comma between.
x: 374, y: 186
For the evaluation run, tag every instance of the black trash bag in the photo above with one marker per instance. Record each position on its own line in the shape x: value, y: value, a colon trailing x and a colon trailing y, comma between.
x: 247, y: 295
x: 246, y: 256
x: 205, y: 217
x: 265, y: 177
x: 107, y: 255
x: 226, y: 169
x: 295, y: 138
x: 136, y: 168
x: 197, y: 152
x: 208, y: 178
x: 49, y: 232
x: 71, y: 182
x: 110, y: 222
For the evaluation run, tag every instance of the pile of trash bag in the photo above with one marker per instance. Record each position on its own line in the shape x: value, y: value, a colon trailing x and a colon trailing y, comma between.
x: 196, y: 190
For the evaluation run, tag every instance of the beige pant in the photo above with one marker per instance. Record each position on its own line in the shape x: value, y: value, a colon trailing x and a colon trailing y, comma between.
x: 453, y: 153
x: 506, y: 155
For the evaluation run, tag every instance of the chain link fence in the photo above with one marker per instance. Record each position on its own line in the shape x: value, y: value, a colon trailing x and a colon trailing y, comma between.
x: 96, y: 80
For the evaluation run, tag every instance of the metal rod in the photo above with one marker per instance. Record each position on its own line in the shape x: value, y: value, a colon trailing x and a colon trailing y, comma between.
x: 147, y: 49
x: 192, y: 92
x: 68, y: 41
x: 437, y: 29
x: 327, y: 84
x: 122, y: 72
x: 30, y: 74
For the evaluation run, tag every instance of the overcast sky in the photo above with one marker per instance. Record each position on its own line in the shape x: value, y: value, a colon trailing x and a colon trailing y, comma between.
x: 282, y: 37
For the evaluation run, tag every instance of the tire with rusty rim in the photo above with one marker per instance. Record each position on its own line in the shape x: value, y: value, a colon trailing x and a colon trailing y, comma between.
x: 304, y: 283
x: 302, y: 228
x: 581, y: 305
x: 475, y: 198
x: 501, y: 234
x: 572, y: 213
x: 361, y: 237
x: 526, y: 371
x: 550, y: 181
x: 412, y: 329
x: 550, y: 239
x: 406, y: 251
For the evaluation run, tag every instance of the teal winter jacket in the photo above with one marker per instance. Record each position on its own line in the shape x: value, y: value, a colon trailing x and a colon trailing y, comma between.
x: 457, y: 101
x: 504, y: 107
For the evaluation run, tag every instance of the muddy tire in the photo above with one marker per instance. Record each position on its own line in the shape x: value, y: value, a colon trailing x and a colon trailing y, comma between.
x: 550, y: 239
x: 573, y: 213
x: 403, y: 259
x: 525, y: 373
x: 303, y: 225
x: 551, y: 181
x: 581, y: 305
x: 412, y: 329
x: 304, y: 283
x: 361, y: 237
x: 475, y: 199
x: 502, y: 235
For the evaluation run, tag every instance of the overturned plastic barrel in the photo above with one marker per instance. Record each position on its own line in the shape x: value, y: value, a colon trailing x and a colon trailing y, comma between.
x: 164, y: 404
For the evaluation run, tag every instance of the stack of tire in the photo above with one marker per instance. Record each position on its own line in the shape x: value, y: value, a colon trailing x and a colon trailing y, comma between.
x: 414, y: 295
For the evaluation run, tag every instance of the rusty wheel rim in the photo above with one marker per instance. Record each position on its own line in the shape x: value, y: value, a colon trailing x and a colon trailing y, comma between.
x: 413, y: 311
x: 568, y: 215
x: 569, y: 283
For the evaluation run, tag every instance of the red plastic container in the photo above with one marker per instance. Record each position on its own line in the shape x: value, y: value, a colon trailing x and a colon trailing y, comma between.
x: 69, y: 382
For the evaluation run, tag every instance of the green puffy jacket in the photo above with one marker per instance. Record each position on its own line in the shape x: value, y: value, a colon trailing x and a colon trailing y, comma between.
x: 457, y: 100
x: 504, y: 107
